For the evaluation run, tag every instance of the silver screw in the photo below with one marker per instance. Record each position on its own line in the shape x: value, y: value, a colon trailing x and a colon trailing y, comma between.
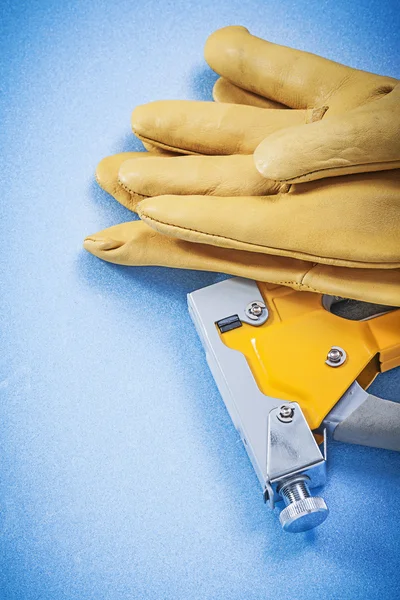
x: 287, y: 412
x: 336, y: 357
x: 302, y: 511
x: 256, y: 310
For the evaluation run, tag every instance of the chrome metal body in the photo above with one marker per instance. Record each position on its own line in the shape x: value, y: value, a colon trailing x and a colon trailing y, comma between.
x: 279, y: 448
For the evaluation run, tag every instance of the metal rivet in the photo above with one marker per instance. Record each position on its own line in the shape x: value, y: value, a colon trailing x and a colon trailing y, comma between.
x: 287, y: 412
x: 336, y: 356
x: 256, y: 313
x: 255, y: 310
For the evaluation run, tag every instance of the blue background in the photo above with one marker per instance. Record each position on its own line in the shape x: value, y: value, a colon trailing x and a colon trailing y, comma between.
x: 121, y: 475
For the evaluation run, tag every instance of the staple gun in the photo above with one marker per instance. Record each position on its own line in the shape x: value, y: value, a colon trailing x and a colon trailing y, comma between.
x: 292, y: 368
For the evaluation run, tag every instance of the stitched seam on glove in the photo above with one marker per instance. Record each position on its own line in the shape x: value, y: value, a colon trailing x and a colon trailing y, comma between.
x: 132, y: 192
x: 300, y: 286
x: 393, y: 164
x: 166, y: 146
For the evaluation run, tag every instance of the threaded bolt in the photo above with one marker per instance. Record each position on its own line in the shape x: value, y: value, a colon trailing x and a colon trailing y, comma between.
x: 292, y: 492
x: 303, y: 511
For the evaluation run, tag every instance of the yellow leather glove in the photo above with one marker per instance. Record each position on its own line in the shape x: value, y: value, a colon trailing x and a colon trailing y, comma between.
x: 360, y: 111
x: 220, y: 214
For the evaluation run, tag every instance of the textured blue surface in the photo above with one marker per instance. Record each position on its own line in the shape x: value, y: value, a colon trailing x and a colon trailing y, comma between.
x: 121, y: 475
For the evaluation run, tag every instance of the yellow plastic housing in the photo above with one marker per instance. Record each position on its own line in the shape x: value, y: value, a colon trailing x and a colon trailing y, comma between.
x: 287, y: 354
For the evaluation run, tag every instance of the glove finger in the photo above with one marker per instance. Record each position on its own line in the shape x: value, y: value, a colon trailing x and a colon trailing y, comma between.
x: 292, y: 77
x: 225, y: 91
x: 107, y: 176
x: 364, y: 139
x: 193, y: 127
x: 136, y: 244
x: 206, y: 175
x: 352, y: 221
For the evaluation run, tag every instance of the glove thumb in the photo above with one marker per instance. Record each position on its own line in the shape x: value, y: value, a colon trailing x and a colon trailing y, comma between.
x: 362, y: 140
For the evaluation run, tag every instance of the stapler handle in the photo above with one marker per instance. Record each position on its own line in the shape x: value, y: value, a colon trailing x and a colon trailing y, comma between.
x: 376, y: 423
x: 361, y: 418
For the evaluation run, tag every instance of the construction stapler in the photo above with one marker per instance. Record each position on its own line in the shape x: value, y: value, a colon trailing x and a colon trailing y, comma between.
x: 292, y: 368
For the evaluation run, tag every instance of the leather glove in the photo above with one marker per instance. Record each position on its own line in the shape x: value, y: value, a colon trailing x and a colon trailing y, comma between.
x: 220, y: 214
x: 360, y: 111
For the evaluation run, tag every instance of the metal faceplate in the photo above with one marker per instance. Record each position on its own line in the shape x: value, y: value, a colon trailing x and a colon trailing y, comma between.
x: 275, y: 449
x: 292, y: 450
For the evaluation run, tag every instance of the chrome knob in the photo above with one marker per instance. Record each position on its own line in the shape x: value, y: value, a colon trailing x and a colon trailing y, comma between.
x: 302, y: 511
